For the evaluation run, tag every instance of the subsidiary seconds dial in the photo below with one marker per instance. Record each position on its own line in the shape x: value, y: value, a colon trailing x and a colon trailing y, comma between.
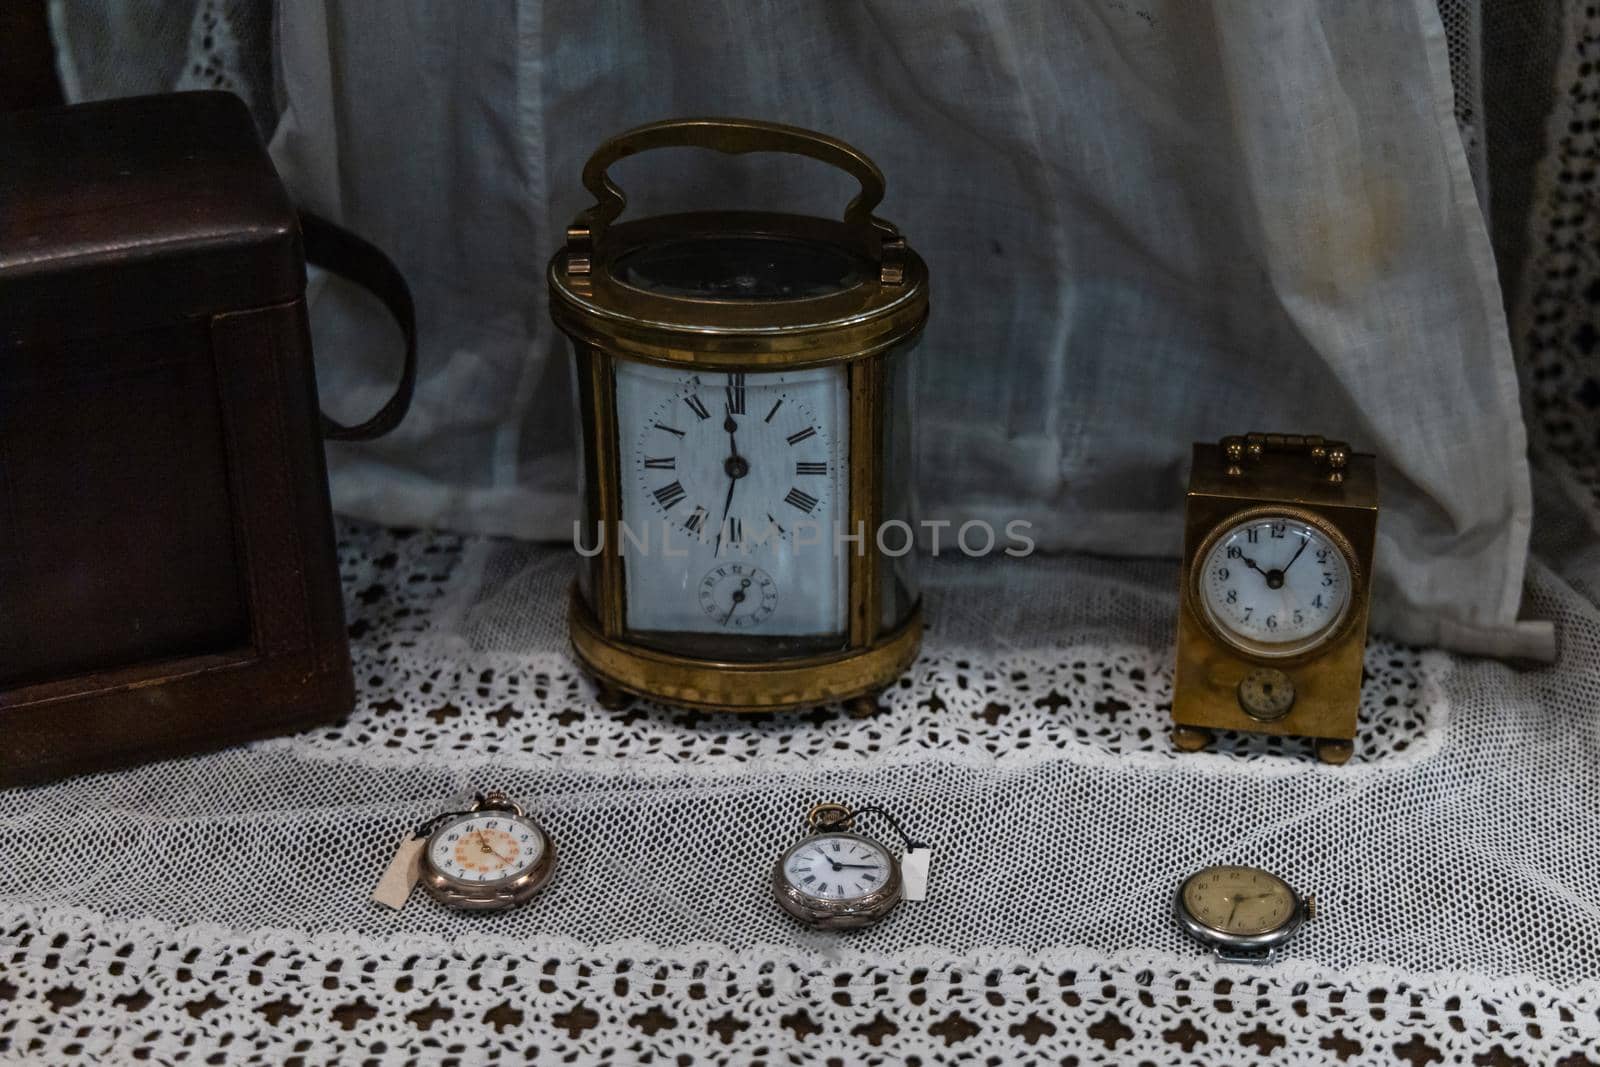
x: 1275, y: 585
x: 738, y: 595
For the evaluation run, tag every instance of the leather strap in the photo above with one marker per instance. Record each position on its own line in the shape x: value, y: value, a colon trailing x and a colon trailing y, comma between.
x: 335, y: 248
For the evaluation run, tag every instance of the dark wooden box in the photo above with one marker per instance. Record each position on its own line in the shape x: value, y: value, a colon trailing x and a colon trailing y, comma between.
x: 167, y: 572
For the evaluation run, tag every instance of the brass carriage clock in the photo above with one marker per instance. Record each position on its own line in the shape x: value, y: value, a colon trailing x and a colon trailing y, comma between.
x: 1277, y: 568
x: 744, y: 392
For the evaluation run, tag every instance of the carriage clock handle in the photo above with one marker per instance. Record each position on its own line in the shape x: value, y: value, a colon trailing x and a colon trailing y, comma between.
x: 880, y: 239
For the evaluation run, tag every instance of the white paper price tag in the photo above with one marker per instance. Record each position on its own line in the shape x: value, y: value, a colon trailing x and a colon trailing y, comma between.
x: 395, y: 885
x: 914, y: 873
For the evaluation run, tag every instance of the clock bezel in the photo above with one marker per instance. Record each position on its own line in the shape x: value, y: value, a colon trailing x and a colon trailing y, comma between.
x: 1306, y: 648
x: 843, y: 914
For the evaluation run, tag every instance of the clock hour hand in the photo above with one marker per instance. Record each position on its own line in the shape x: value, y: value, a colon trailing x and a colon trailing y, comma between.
x: 1273, y: 578
x: 855, y: 866
x: 1248, y: 562
x: 483, y: 843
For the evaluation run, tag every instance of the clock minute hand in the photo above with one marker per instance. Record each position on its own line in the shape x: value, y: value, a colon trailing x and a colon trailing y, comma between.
x: 722, y: 525
x: 738, y: 598
x: 735, y: 467
x: 483, y: 843
x: 1304, y: 541
x: 1248, y: 562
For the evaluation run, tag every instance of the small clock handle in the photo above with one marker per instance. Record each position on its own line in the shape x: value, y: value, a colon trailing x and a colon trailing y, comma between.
x: 735, y: 137
x: 1335, y: 455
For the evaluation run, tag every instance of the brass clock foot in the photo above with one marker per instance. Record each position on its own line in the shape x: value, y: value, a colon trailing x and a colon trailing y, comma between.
x: 1334, y: 752
x: 1190, y: 738
x: 863, y: 707
x: 610, y: 697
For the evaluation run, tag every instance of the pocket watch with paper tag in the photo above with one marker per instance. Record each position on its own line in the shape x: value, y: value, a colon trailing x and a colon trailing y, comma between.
x: 1243, y: 914
x: 1279, y: 535
x: 488, y: 857
x: 744, y: 394
x: 837, y: 879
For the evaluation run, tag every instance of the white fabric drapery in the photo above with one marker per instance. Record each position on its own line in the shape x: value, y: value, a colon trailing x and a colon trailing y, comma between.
x: 1147, y: 224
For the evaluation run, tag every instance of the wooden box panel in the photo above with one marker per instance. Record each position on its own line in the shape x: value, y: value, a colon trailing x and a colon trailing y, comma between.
x: 142, y: 481
x: 167, y: 572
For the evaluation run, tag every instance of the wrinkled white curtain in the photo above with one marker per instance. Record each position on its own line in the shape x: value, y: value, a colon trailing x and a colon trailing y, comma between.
x: 1147, y: 222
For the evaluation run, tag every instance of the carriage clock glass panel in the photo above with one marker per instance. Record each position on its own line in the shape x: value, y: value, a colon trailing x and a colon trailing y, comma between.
x: 732, y: 483
x: 900, y: 581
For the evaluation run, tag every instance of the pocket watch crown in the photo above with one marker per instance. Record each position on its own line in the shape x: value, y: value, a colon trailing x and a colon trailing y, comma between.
x: 496, y: 800
x: 830, y: 815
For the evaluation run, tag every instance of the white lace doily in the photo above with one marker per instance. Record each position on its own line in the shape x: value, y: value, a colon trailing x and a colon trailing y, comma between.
x: 215, y: 908
x: 473, y: 636
x: 109, y: 992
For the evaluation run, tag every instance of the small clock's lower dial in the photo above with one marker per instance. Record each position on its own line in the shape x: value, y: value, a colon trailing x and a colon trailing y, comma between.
x: 739, y: 595
x: 1266, y: 694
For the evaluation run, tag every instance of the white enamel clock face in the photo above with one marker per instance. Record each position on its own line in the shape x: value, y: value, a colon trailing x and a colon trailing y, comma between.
x: 837, y: 867
x: 491, y: 846
x: 1275, y: 585
x: 731, y: 487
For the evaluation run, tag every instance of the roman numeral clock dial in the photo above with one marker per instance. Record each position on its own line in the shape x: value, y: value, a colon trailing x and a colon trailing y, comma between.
x: 732, y: 484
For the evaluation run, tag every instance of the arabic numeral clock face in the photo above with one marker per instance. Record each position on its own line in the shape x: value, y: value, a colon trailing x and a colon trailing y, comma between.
x: 1243, y: 914
x: 836, y: 880
x: 732, y: 483
x: 1239, y: 900
x: 487, y: 859
x: 1275, y: 585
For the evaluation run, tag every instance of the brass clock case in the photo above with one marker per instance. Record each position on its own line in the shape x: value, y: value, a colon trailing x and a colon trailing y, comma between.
x: 872, y: 304
x: 1303, y: 479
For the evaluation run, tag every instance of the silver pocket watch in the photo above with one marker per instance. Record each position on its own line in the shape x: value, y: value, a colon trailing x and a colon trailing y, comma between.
x: 493, y: 855
x: 836, y: 879
x: 1243, y: 914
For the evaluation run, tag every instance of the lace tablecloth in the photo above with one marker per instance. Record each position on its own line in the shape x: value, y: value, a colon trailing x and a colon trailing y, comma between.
x: 214, y: 910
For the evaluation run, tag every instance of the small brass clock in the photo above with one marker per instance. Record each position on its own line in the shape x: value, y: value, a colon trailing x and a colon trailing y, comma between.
x: 1277, y: 566
x: 744, y: 390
